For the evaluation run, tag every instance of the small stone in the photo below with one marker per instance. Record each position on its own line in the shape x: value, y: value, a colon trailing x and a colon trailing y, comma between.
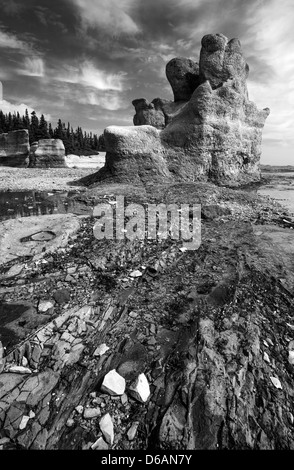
x: 133, y: 431
x: 71, y: 270
x: 140, y: 389
x: 136, y: 273
x: 1, y: 351
x: 79, y: 409
x: 113, y: 383
x: 24, y: 361
x: 24, y: 422
x: 44, y: 306
x: 275, y: 381
x: 265, y: 357
x: 100, y: 444
x: 19, y: 370
x: 106, y: 426
x: 124, y: 399
x: 133, y: 314
x: 70, y: 422
x: 31, y: 414
x: 90, y: 413
x: 291, y: 357
x: 100, y: 350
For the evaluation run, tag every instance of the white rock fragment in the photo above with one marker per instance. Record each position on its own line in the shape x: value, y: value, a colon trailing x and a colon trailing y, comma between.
x: 136, y: 273
x: 90, y: 413
x: 133, y: 431
x: 291, y: 357
x: 101, y: 349
x: 275, y: 381
x: 19, y: 370
x: 1, y: 351
x: 100, y: 444
x: 265, y: 357
x: 140, y: 389
x: 106, y: 426
x: 44, y: 306
x: 183, y: 249
x: 24, y: 361
x: 113, y: 383
x: 79, y: 409
x: 24, y: 422
x: 31, y: 414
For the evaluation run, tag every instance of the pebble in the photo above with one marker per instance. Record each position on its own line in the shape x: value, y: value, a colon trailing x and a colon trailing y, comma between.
x: 100, y: 444
x: 90, y: 413
x: 45, y: 305
x: 140, y: 389
x: 275, y: 381
x: 136, y: 273
x: 19, y: 370
x: 70, y: 422
x: 106, y: 426
x: 265, y: 357
x: 133, y: 431
x: 113, y: 383
x: 24, y: 422
x: 79, y: 409
x: 124, y: 399
x: 133, y: 314
x: 100, y: 350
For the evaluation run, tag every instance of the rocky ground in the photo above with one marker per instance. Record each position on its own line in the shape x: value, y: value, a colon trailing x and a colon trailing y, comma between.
x: 143, y: 345
x: 38, y: 179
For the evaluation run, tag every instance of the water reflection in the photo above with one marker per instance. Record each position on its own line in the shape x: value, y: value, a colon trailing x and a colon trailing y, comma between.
x: 25, y: 203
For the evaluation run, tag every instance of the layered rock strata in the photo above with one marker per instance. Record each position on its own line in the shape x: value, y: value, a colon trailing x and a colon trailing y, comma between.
x: 47, y: 153
x: 14, y: 148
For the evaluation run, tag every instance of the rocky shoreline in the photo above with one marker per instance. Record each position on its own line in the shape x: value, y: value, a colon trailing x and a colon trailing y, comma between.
x: 210, y: 332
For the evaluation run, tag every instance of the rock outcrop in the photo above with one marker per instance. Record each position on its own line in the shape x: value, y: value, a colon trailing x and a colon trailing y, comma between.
x: 47, y: 153
x: 214, y: 136
x: 14, y: 148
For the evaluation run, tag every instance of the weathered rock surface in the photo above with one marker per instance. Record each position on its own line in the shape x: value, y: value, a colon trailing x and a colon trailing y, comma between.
x: 14, y: 148
x: 48, y: 153
x: 183, y: 76
x: 215, y: 136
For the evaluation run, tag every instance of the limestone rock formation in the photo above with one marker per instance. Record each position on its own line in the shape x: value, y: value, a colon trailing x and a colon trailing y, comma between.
x: 14, y: 148
x: 215, y: 136
x: 47, y: 153
x: 183, y: 76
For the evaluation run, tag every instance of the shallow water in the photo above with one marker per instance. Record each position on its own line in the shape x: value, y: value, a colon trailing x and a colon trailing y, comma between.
x: 281, y: 188
x: 15, y: 204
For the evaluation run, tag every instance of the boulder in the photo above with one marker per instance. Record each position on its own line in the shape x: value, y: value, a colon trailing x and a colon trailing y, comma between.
x: 47, y: 153
x: 183, y: 76
x: 14, y: 148
x: 215, y: 136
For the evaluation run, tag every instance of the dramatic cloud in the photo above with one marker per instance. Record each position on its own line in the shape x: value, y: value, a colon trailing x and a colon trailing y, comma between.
x: 84, y: 61
x: 109, y: 15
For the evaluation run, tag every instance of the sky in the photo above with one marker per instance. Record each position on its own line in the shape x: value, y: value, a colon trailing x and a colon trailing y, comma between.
x: 84, y: 61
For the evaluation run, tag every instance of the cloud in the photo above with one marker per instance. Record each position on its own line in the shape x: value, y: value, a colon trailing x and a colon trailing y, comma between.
x: 33, y: 67
x: 10, y: 41
x: 110, y: 15
x: 111, y: 101
x: 7, y: 107
x: 87, y: 74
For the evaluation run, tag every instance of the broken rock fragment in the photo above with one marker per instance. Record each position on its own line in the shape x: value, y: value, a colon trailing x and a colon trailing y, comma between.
x: 100, y: 444
x: 113, y: 383
x: 101, y: 349
x: 140, y: 389
x: 106, y: 426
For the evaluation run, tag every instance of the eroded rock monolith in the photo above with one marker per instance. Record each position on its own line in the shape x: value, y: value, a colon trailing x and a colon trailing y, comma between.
x: 14, y: 148
x: 211, y: 132
x: 47, y: 153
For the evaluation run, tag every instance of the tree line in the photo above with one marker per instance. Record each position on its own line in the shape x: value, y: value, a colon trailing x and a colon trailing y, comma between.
x: 75, y: 141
